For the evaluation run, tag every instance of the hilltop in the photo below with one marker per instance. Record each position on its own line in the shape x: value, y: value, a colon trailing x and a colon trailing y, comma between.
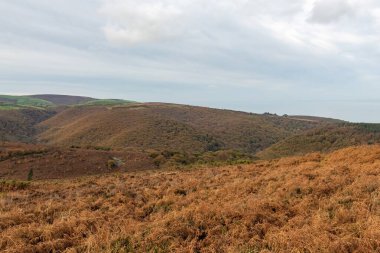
x: 314, y: 203
x: 63, y: 99
x: 50, y: 101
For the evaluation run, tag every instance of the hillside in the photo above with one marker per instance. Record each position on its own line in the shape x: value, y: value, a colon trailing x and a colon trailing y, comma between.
x: 324, y: 139
x: 22, y: 102
x: 17, y: 160
x: 49, y: 101
x: 63, y: 99
x: 315, y: 203
x: 20, y: 125
x: 168, y: 127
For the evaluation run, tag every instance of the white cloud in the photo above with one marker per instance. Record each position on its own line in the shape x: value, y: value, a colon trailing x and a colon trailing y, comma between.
x: 134, y: 22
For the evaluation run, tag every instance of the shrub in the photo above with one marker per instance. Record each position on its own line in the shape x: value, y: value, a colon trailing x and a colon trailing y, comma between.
x: 30, y: 175
x: 13, y: 185
x: 122, y: 245
x: 180, y: 192
x: 111, y: 164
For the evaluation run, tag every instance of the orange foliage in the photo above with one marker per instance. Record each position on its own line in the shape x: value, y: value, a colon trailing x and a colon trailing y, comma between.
x: 314, y: 203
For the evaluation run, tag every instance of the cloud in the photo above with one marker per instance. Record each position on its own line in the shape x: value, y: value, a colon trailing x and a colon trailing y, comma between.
x: 135, y: 22
x: 327, y: 11
x: 214, y: 52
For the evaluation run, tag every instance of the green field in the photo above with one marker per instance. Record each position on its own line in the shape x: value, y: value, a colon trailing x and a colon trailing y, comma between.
x: 8, y: 102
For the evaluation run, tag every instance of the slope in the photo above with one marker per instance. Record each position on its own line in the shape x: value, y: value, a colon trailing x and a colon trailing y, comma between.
x: 315, y: 203
x: 20, y: 125
x: 324, y: 139
x: 170, y: 127
x: 17, y: 160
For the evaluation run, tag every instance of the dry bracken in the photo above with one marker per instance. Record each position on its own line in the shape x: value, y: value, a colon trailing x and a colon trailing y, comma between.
x: 314, y: 203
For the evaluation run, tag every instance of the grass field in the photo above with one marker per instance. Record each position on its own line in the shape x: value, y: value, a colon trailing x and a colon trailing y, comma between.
x: 17, y: 102
x: 314, y: 203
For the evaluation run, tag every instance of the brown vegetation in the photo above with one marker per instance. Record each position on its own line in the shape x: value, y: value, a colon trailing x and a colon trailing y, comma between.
x: 169, y: 127
x: 18, y: 160
x: 19, y: 125
x: 324, y: 139
x: 315, y: 203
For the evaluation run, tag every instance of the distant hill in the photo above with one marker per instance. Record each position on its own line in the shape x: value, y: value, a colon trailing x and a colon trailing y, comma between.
x: 169, y: 127
x: 22, y: 102
x: 157, y: 127
x: 63, y: 99
x: 48, y: 101
x: 324, y: 139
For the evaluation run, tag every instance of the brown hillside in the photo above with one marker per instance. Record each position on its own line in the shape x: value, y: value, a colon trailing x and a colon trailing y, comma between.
x: 17, y: 160
x: 172, y: 127
x: 315, y: 203
x: 324, y: 139
x: 19, y: 125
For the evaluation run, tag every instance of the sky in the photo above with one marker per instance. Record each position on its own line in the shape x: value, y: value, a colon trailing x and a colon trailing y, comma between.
x: 310, y: 57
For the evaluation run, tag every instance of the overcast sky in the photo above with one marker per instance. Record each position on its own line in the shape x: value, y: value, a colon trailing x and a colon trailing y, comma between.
x: 315, y: 57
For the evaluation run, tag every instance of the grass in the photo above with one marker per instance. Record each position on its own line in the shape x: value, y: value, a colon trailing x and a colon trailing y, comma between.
x: 314, y: 203
x: 8, y: 102
x: 13, y: 185
x: 17, y: 102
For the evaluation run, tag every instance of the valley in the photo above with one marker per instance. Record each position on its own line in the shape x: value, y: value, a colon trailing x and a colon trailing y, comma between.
x: 79, y: 174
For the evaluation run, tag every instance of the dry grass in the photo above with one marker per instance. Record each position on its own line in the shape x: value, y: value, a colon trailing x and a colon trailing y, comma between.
x: 315, y: 203
x: 169, y: 127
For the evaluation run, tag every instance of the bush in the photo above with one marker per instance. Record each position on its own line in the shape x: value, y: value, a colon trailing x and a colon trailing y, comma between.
x: 30, y: 175
x: 13, y: 185
x: 180, y: 192
x: 111, y: 164
x: 122, y: 245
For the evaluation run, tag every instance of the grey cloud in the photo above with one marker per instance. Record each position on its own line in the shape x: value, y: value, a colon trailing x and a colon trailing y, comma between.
x: 328, y: 11
x: 240, y: 54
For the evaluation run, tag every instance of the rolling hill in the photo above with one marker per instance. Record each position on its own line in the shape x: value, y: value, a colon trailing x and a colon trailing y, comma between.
x: 49, y: 101
x: 23, y: 102
x: 63, y: 99
x: 324, y: 139
x: 168, y: 127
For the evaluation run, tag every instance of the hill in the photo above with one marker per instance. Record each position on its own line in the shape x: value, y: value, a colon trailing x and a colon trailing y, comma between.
x: 168, y: 127
x: 314, y: 203
x: 315, y: 119
x: 324, y: 139
x: 49, y: 101
x: 63, y: 99
x: 22, y: 102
